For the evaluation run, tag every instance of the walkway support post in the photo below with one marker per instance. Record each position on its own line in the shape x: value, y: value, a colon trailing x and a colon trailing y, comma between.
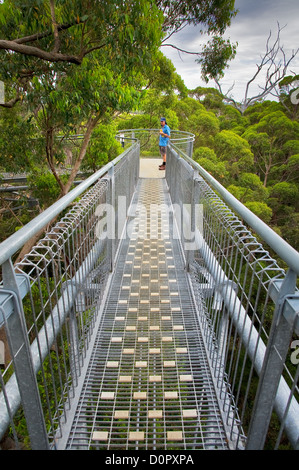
x: 275, y: 357
x: 111, y: 218
x: 22, y: 360
x: 191, y: 246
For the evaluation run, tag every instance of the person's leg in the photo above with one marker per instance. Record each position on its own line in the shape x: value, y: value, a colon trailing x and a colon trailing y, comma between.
x: 163, y: 165
x: 163, y: 155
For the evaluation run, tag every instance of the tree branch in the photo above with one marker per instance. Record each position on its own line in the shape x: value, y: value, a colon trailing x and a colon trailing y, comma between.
x: 39, y: 53
x: 11, y: 103
x: 7, y: 206
x: 174, y: 32
x: 91, y: 124
x: 180, y: 50
x: 227, y: 98
x: 91, y: 49
x: 37, y: 36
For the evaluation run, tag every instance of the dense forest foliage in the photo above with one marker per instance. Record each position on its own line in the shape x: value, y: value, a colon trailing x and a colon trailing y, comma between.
x: 254, y: 155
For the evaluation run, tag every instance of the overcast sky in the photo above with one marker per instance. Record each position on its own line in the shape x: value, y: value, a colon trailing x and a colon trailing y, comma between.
x: 250, y: 28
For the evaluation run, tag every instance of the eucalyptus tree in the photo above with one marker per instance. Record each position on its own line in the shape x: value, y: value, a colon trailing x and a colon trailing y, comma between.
x: 67, y: 31
x: 211, y: 16
x: 235, y: 151
x: 65, y: 104
x: 73, y: 62
x: 39, y: 35
x: 76, y: 64
x: 75, y: 103
x: 273, y: 141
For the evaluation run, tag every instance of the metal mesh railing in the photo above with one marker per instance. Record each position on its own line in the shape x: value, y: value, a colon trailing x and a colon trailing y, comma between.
x: 250, y: 307
x: 149, y: 140
x: 48, y: 303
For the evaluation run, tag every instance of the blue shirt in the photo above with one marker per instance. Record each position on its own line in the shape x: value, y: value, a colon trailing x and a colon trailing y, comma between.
x: 163, y: 141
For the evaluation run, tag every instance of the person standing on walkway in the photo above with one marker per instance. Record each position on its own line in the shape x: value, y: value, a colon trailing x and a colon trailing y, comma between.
x: 163, y: 141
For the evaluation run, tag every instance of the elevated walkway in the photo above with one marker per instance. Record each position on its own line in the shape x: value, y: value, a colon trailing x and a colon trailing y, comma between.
x: 149, y: 168
x: 148, y: 383
x: 150, y: 316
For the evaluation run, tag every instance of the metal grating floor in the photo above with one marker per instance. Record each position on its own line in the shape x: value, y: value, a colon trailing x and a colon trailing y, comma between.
x: 148, y: 385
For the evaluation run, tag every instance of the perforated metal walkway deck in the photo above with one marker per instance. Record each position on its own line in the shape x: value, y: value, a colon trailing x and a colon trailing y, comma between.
x: 148, y: 384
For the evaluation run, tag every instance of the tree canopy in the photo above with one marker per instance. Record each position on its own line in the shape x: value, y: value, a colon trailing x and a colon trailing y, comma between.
x: 212, y: 15
x: 116, y: 66
x: 69, y: 30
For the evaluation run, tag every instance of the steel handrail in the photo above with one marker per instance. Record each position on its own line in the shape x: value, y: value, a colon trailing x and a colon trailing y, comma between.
x: 184, y: 136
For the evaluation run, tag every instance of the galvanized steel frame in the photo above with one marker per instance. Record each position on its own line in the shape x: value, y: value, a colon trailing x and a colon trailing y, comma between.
x: 223, y: 302
x: 148, y: 343
x: 279, y: 287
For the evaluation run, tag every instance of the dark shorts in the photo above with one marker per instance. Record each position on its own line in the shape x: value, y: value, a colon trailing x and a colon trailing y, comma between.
x: 162, y: 150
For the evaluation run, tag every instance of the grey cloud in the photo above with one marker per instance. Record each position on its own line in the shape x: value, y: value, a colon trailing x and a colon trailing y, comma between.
x: 250, y: 28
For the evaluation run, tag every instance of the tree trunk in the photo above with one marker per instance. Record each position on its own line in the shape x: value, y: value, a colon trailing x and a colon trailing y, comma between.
x: 50, y: 154
x: 92, y: 122
x: 37, y: 52
x: 267, y: 171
